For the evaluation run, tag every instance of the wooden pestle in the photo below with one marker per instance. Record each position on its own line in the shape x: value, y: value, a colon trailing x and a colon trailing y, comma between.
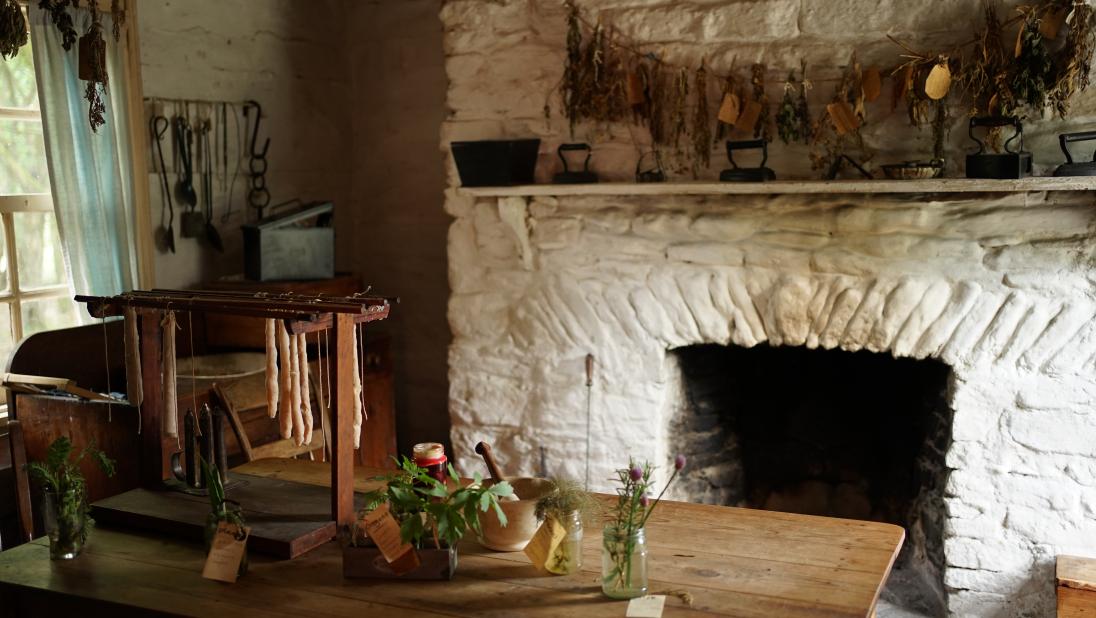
x: 484, y: 450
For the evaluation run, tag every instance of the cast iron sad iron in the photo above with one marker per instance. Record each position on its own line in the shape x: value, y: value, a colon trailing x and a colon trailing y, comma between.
x: 747, y: 174
x: 567, y: 177
x: 1079, y: 168
x: 1008, y: 164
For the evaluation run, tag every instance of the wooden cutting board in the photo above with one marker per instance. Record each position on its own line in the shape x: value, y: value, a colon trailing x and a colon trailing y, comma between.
x: 287, y: 518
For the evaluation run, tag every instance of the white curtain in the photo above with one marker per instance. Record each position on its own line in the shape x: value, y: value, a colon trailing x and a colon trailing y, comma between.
x: 90, y: 173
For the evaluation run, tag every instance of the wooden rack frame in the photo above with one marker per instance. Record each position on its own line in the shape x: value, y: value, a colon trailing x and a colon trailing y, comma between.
x: 301, y: 314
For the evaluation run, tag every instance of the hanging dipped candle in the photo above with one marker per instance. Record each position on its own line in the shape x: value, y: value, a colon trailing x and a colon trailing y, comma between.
x: 171, y: 402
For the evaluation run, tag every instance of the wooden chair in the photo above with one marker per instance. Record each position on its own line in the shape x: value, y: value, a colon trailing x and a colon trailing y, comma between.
x: 255, y: 433
x: 22, y: 482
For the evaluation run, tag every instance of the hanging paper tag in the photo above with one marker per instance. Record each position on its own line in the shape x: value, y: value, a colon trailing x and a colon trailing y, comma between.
x: 938, y: 82
x: 227, y: 550
x: 385, y: 533
x: 544, y: 543
x: 844, y: 119
x: 747, y: 120
x: 729, y: 109
x: 872, y: 84
x: 649, y: 606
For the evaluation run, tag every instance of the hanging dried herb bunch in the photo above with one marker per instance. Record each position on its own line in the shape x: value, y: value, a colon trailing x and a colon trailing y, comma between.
x: 1076, y: 64
x: 702, y: 128
x: 763, y: 127
x: 93, y: 70
x: 13, y: 28
x: 570, y: 86
x: 793, y: 121
x: 837, y: 127
x: 118, y: 17
x: 679, y: 100
x: 1031, y: 80
x: 60, y: 17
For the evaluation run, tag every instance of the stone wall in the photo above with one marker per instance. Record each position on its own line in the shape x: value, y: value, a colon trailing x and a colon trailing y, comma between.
x: 995, y: 285
x: 288, y: 56
x: 505, y: 62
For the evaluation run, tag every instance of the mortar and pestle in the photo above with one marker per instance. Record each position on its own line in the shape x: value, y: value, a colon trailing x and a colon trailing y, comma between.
x: 520, y: 509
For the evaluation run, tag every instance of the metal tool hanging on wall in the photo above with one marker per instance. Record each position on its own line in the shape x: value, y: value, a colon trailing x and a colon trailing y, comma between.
x: 165, y: 233
x: 190, y: 221
x: 258, y: 197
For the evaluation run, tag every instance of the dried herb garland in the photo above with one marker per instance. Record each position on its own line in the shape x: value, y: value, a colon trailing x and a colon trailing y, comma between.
x: 13, y: 28
x: 93, y: 70
x: 763, y: 127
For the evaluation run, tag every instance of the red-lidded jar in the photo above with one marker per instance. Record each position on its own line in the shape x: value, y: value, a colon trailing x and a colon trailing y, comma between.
x: 431, y: 455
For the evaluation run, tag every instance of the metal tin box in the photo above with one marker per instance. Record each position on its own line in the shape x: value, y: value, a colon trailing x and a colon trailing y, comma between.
x: 294, y: 246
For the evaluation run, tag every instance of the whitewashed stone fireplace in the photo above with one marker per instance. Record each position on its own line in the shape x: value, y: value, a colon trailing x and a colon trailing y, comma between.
x: 999, y: 286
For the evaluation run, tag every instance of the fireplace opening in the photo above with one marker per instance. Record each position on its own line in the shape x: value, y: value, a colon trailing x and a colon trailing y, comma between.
x: 823, y: 432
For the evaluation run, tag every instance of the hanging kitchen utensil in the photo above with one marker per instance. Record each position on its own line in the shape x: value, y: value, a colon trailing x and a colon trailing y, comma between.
x: 1008, y: 164
x: 1071, y: 167
x: 190, y: 221
x: 211, y: 233
x: 567, y: 177
x: 651, y: 174
x: 165, y: 235
x: 258, y: 197
x: 747, y: 174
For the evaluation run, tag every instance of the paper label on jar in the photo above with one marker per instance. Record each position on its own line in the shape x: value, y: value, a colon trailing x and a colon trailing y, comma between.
x: 227, y: 550
x: 544, y: 543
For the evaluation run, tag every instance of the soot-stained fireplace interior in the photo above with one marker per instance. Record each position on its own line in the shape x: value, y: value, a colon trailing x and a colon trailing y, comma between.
x: 823, y: 432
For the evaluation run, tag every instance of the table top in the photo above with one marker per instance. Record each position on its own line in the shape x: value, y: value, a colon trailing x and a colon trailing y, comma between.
x: 708, y: 560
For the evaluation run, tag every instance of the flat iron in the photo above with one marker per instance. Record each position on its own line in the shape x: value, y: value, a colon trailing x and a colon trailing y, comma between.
x: 1078, y: 168
x: 1008, y: 164
x: 747, y: 174
x: 567, y: 177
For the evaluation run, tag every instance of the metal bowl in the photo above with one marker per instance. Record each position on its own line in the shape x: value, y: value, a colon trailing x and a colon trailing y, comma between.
x: 914, y: 170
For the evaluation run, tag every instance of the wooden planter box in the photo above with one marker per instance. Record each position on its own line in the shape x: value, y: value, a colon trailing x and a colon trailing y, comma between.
x: 367, y: 561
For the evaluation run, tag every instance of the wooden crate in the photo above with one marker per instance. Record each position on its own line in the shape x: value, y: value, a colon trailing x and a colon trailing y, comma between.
x: 1076, y: 578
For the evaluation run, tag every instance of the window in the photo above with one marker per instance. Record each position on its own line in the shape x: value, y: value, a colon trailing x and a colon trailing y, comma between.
x: 35, y: 292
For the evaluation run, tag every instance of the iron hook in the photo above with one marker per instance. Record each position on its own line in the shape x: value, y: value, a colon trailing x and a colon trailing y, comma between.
x: 255, y: 154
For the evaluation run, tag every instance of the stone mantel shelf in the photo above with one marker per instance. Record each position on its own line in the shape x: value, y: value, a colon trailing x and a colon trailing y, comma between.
x: 935, y: 185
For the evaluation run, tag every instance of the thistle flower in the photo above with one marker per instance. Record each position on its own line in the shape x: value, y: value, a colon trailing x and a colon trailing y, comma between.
x: 645, y: 501
x: 636, y: 473
x: 679, y: 462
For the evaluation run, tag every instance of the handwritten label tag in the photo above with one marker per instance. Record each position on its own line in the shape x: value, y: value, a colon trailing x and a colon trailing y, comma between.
x: 747, y: 120
x: 385, y: 532
x: 649, y: 606
x: 543, y: 544
x: 872, y: 83
x: 843, y: 117
x: 223, y: 561
x: 729, y: 109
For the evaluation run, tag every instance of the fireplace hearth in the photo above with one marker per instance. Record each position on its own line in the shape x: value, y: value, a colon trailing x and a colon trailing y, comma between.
x: 823, y: 432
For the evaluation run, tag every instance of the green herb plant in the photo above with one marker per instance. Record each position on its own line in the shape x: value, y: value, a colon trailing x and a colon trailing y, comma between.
x: 562, y: 502
x: 60, y: 476
x: 426, y: 508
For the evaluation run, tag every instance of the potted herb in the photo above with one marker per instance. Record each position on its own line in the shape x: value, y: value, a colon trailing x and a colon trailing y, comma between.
x: 222, y: 509
x: 570, y: 506
x: 624, y: 540
x: 432, y: 516
x: 65, y: 510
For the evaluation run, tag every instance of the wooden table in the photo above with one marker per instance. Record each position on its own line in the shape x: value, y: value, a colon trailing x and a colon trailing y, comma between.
x: 708, y: 560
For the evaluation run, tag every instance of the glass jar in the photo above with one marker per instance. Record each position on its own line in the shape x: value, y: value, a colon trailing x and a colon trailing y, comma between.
x: 65, y: 516
x: 431, y: 455
x: 567, y: 557
x: 623, y: 563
